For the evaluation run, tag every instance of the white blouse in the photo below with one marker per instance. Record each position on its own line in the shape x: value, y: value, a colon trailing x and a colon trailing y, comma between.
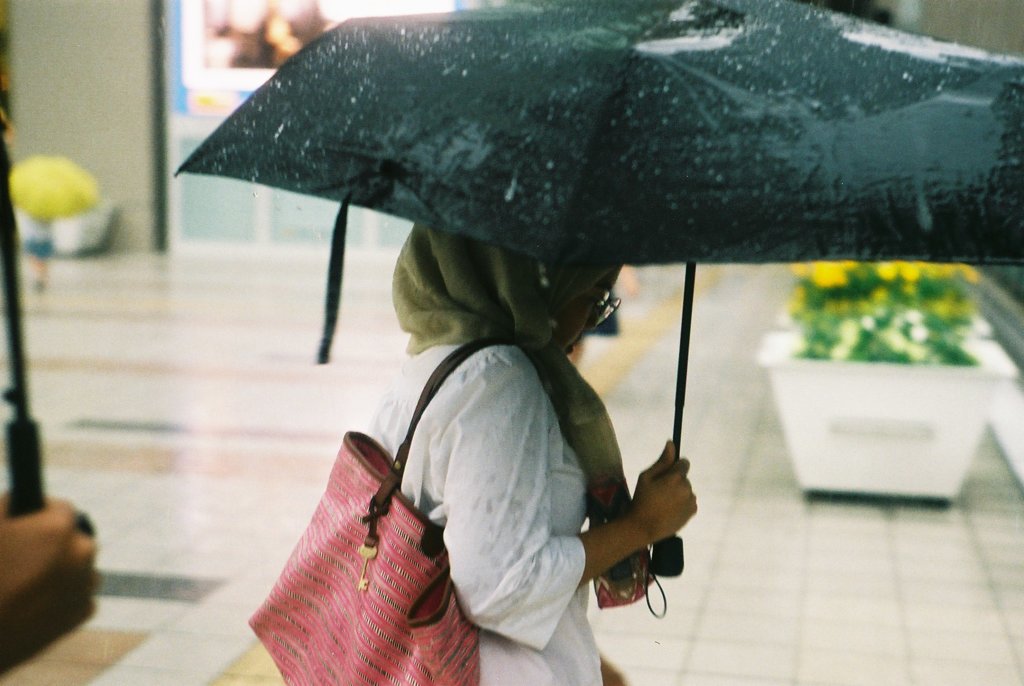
x: 488, y: 462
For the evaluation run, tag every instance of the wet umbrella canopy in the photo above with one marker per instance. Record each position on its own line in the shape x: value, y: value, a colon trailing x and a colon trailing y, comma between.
x: 651, y: 131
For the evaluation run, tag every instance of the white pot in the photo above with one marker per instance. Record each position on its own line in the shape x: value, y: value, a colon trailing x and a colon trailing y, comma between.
x: 81, y: 234
x: 84, y: 233
x: 879, y: 428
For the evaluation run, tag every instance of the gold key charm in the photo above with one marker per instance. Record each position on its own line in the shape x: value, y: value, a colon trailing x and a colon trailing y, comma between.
x: 367, y: 552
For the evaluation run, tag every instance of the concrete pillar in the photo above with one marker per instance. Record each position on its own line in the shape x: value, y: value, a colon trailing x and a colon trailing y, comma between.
x: 82, y: 86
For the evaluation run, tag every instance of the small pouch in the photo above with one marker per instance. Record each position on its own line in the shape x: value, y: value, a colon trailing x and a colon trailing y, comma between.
x: 626, y: 582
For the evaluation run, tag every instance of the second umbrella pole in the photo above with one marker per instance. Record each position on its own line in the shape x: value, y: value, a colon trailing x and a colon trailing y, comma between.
x: 22, y: 431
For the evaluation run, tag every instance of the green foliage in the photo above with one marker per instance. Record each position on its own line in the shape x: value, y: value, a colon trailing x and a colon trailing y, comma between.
x: 897, y: 312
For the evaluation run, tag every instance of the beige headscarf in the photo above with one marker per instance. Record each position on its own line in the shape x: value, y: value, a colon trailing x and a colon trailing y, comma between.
x: 452, y: 290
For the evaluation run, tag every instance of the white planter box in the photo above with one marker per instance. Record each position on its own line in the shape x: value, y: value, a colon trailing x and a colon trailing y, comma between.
x: 885, y: 429
x: 82, y: 234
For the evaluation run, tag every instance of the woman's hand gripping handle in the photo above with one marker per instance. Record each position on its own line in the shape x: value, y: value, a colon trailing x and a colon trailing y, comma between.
x: 664, y: 500
x: 667, y: 554
x: 662, y: 503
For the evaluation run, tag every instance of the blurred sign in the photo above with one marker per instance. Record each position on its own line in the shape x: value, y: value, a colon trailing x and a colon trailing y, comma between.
x: 222, y: 50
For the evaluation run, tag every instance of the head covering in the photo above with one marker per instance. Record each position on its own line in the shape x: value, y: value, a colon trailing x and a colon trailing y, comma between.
x: 451, y: 290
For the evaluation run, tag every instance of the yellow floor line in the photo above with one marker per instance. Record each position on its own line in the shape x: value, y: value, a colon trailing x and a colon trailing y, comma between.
x: 637, y: 337
x: 254, y: 668
x: 76, y: 659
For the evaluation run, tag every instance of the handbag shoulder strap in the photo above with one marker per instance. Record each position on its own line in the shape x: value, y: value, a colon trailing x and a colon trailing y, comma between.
x: 393, y: 480
x: 433, y: 385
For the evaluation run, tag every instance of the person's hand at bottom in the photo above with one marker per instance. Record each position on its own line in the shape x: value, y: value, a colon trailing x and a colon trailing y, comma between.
x: 48, y: 579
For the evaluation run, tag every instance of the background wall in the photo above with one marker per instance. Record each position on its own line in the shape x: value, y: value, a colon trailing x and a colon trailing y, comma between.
x: 992, y: 24
x: 996, y: 25
x: 82, y: 87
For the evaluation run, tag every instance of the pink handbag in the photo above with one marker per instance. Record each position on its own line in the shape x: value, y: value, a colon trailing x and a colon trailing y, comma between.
x: 366, y: 597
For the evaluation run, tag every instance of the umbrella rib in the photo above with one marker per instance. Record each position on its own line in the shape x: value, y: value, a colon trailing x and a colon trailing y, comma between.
x: 365, y: 181
x: 593, y: 141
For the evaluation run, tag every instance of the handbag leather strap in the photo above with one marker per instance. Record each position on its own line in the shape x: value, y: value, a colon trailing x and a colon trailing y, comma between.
x: 433, y: 385
x: 393, y: 480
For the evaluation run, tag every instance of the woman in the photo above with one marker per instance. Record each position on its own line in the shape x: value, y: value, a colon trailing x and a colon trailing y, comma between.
x: 504, y: 453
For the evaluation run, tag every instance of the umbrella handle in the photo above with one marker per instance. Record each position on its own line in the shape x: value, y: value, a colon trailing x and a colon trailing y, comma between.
x: 667, y: 557
x: 26, y: 476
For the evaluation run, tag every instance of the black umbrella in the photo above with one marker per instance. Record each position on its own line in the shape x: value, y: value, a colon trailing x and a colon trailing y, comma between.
x: 653, y: 131
x: 650, y: 131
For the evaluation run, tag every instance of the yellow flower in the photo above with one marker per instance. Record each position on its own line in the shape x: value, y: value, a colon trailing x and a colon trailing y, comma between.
x: 887, y: 271
x: 969, y: 273
x: 799, y: 269
x: 829, y: 275
x: 910, y: 271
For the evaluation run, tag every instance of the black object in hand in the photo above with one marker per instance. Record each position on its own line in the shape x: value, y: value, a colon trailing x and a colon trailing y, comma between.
x: 667, y: 557
x: 84, y: 524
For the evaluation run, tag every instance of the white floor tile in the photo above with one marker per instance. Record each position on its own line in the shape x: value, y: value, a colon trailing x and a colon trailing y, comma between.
x: 650, y: 677
x: 887, y: 613
x: 200, y: 654
x: 991, y: 649
x: 955, y: 673
x: 828, y: 635
x: 978, y: 596
x: 842, y: 668
x: 785, y: 604
x: 942, y: 616
x: 748, y: 628
x: 701, y: 679
x: 636, y: 619
x: 136, y: 614
x: 129, y: 675
x: 733, y: 659
x: 214, y: 619
x: 644, y: 652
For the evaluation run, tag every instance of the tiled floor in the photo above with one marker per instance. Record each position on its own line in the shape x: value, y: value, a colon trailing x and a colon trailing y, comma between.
x: 180, y: 408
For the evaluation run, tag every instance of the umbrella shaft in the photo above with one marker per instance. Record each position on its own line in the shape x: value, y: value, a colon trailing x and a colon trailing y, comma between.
x: 667, y: 555
x: 18, y: 395
x: 684, y: 352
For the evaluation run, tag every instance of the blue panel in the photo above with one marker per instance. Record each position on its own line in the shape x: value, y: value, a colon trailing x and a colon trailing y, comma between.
x: 213, y: 208
x: 393, y: 231
x: 217, y: 209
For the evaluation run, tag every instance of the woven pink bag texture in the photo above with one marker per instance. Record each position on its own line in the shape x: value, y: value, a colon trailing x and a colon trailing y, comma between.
x: 323, y: 625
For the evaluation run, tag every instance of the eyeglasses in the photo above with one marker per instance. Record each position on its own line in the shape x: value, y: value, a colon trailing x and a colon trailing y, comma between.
x: 603, y: 309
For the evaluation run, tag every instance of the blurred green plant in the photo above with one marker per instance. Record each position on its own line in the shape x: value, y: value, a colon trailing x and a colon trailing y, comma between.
x: 898, y: 312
